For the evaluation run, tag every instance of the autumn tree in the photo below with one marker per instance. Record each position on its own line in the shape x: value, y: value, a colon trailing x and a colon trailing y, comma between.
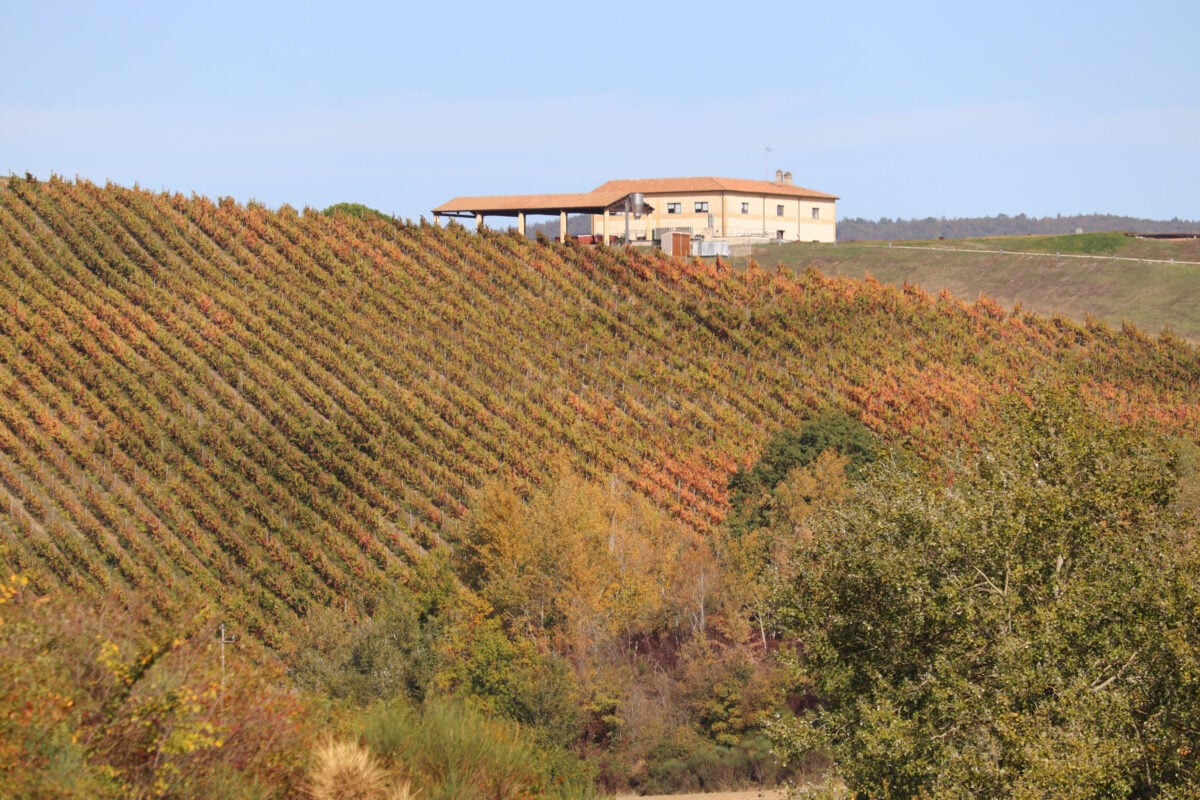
x: 580, y: 564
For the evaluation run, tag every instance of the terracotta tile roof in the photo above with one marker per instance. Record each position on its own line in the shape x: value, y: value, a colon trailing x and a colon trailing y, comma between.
x: 613, y: 192
x: 510, y: 204
x: 710, y: 185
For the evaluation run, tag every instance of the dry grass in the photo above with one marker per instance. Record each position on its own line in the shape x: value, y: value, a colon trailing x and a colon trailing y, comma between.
x: 347, y: 771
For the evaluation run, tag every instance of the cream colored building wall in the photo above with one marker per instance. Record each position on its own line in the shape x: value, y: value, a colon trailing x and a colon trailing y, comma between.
x: 760, y: 218
x: 763, y: 218
x: 816, y: 220
x: 687, y: 217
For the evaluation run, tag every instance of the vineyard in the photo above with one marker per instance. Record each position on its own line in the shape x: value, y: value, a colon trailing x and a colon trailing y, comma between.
x: 275, y: 410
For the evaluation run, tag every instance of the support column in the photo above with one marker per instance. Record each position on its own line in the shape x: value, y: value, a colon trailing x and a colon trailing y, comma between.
x: 604, y: 225
x: 437, y: 220
x: 479, y: 221
x: 562, y: 226
x: 521, y: 223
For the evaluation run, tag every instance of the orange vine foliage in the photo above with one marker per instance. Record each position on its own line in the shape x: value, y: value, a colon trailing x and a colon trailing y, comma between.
x: 276, y: 410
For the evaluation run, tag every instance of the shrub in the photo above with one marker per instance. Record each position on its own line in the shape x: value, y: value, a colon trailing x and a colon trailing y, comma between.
x: 354, y: 210
x: 97, y: 703
x: 346, y: 770
x: 454, y: 752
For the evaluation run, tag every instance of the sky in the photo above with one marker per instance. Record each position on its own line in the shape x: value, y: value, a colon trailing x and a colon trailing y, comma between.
x: 903, y: 110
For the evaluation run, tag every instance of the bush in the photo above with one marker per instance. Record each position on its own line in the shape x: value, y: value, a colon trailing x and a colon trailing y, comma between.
x: 99, y: 703
x: 453, y: 752
x: 354, y: 210
x: 700, y: 766
x: 347, y: 771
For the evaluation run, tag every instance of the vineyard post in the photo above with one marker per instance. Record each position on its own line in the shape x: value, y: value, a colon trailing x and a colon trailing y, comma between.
x: 224, y: 641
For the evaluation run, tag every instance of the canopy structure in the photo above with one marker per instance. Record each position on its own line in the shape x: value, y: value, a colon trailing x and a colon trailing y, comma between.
x: 598, y: 203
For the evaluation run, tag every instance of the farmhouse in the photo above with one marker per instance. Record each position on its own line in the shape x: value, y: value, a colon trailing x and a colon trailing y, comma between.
x: 735, y: 210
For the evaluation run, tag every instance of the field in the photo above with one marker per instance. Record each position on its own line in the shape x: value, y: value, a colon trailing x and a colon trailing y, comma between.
x: 283, y: 409
x: 276, y: 470
x: 1098, y: 275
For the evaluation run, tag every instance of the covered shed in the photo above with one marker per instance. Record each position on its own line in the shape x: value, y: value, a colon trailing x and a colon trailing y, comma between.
x: 594, y: 204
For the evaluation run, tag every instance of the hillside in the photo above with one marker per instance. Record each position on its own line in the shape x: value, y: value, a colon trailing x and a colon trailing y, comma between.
x: 281, y: 410
x: 1153, y: 284
x: 856, y: 229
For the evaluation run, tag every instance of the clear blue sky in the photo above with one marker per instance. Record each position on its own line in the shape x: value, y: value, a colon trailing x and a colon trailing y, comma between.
x: 903, y: 109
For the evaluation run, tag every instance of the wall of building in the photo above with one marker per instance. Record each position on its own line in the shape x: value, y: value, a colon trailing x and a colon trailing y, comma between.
x: 733, y: 216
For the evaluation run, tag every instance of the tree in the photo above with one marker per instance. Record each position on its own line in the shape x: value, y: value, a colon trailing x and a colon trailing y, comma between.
x: 751, y: 489
x: 758, y: 561
x: 799, y: 471
x: 1029, y: 629
x: 354, y: 210
x: 583, y: 566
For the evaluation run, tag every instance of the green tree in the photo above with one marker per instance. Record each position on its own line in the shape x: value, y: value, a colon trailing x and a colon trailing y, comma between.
x: 354, y: 210
x: 758, y: 561
x: 799, y: 471
x: 103, y: 702
x: 751, y: 490
x: 1026, y: 627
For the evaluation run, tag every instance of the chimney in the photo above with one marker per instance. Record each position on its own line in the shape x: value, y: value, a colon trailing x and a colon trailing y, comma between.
x: 787, y: 179
x: 779, y: 176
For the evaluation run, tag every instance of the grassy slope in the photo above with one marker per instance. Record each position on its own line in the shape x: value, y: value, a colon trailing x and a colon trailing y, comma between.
x: 1038, y: 272
x: 269, y: 410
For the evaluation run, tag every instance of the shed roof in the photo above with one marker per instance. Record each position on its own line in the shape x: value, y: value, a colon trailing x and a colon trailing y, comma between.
x: 509, y: 205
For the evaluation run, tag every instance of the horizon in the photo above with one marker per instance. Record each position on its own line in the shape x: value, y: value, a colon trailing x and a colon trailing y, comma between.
x: 544, y: 219
x: 927, y: 110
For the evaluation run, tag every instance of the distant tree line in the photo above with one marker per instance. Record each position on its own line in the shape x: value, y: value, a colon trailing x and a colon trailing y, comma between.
x: 886, y: 229
x: 577, y: 225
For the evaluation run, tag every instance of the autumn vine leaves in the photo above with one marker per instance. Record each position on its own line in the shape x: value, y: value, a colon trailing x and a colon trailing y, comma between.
x: 284, y: 412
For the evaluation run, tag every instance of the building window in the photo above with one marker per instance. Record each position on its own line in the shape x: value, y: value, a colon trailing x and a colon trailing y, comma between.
x: 701, y: 207
x: 779, y: 211
x: 816, y: 212
x: 745, y: 208
x: 674, y: 208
